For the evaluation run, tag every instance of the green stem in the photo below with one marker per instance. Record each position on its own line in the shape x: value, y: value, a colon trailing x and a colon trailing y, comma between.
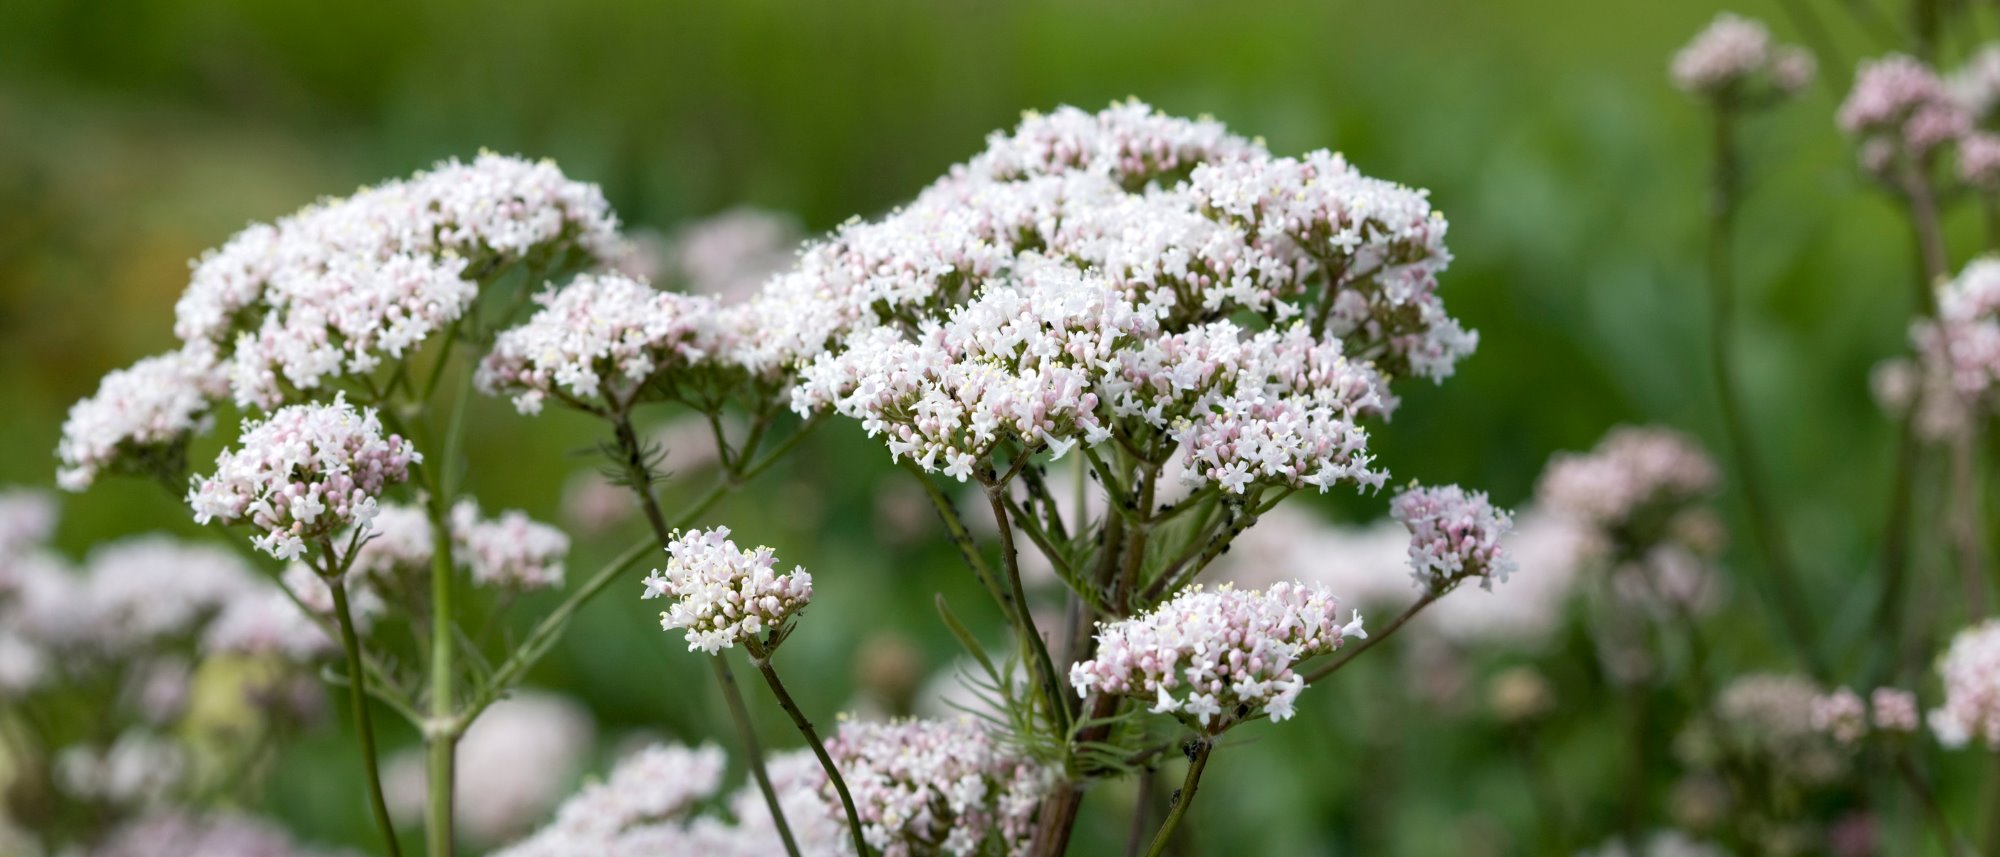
x: 762, y: 659
x: 1037, y: 649
x: 358, y: 703
x: 1724, y: 192
x: 1197, y: 762
x: 442, y: 730
x: 753, y: 752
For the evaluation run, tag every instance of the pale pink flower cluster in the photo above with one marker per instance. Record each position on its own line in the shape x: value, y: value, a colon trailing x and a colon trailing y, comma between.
x: 1976, y: 84
x: 147, y: 589
x: 598, y: 342
x: 1899, y: 108
x: 137, y: 768
x: 1455, y: 535
x: 1732, y: 52
x: 341, y: 285
x: 937, y: 787
x: 304, y: 473
x: 267, y: 622
x: 397, y: 542
x: 512, y: 551
x: 1217, y: 656
x: 1845, y: 716
x: 177, y: 833
x: 1529, y: 609
x: 723, y: 595
x: 139, y: 420
x: 1633, y: 473
x: 1970, y: 669
x: 1958, y: 352
x: 514, y: 763
x: 1979, y: 160
x: 1773, y: 717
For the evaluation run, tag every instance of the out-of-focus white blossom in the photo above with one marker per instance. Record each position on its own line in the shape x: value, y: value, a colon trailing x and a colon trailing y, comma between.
x: 302, y: 474
x: 342, y: 285
x: 146, y: 589
x: 1454, y: 535
x: 1959, y: 351
x: 27, y: 519
x: 723, y: 595
x: 1970, y: 670
x: 1528, y: 608
x: 1217, y: 656
x: 1976, y: 84
x: 178, y: 833
x: 1841, y: 714
x: 137, y: 769
x: 1734, y: 52
x: 512, y: 551
x: 140, y: 419
x: 731, y: 254
x: 1633, y: 472
x: 937, y: 787
x: 1895, y: 709
x: 1660, y: 843
x: 514, y: 763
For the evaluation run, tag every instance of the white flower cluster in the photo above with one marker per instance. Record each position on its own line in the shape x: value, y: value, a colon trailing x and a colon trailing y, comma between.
x: 146, y: 589
x: 1970, y: 669
x: 1217, y: 656
x: 1771, y: 717
x: 1734, y: 52
x: 646, y: 808
x: 304, y: 473
x: 1958, y: 353
x: 1455, y: 534
x: 514, y: 762
x: 341, y: 285
x: 175, y: 833
x: 141, y: 417
x: 1129, y: 271
x: 729, y: 255
x: 512, y: 550
x: 937, y: 787
x: 136, y: 769
x: 598, y: 342
x: 1660, y: 843
x: 723, y: 595
x: 1976, y: 84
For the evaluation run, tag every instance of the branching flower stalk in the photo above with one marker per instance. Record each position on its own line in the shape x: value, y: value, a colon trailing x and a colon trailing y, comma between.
x: 357, y: 685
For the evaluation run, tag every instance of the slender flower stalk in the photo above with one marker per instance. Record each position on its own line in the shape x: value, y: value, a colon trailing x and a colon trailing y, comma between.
x: 1725, y: 190
x: 761, y: 657
x: 357, y: 683
x: 1198, y: 751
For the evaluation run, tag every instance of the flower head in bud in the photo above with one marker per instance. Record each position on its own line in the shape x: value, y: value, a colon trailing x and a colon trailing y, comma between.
x: 1454, y: 535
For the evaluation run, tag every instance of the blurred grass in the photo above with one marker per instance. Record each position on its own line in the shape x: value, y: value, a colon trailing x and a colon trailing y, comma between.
x: 133, y: 135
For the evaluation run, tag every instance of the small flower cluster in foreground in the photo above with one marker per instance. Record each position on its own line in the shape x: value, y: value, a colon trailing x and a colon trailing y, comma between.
x: 302, y: 474
x: 1845, y: 715
x: 646, y: 808
x: 1454, y: 535
x: 140, y: 419
x: 723, y: 595
x: 338, y: 287
x: 1735, y: 54
x: 1217, y: 656
x: 937, y: 787
x: 1970, y: 669
x: 174, y: 833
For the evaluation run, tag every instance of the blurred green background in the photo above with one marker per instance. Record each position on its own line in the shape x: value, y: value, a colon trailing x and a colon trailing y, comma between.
x: 134, y: 135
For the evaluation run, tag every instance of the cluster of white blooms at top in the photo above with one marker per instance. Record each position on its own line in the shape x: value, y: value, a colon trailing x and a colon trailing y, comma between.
x: 341, y: 285
x: 1844, y: 715
x: 1970, y: 669
x: 304, y: 473
x: 647, y: 808
x: 724, y: 595
x: 1217, y: 656
x: 175, y: 833
x: 514, y: 762
x: 1455, y: 534
x: 141, y: 417
x: 1901, y: 111
x: 937, y: 787
x: 512, y: 550
x: 1734, y: 52
x: 1958, y: 352
x: 1126, y: 271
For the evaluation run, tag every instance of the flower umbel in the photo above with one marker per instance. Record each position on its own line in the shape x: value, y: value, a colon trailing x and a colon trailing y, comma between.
x: 724, y: 595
